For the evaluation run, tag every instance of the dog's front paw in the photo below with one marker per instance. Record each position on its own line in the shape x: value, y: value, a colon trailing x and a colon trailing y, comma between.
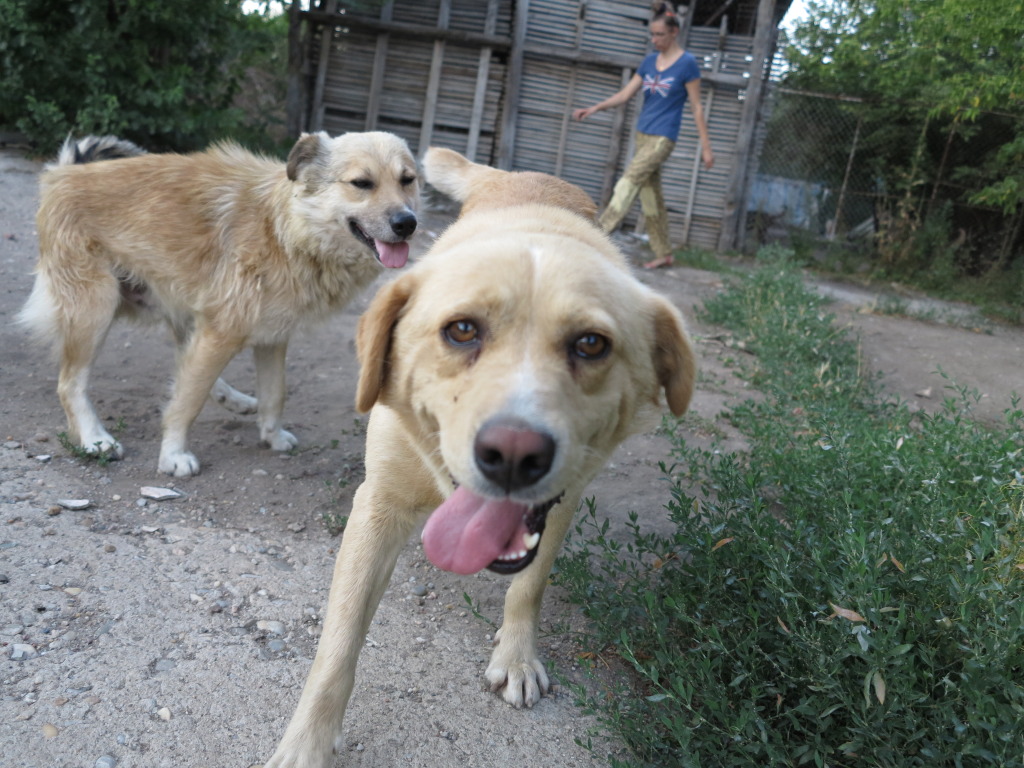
x: 178, y: 463
x: 280, y: 439
x: 517, y: 672
x: 102, y: 444
x: 306, y: 753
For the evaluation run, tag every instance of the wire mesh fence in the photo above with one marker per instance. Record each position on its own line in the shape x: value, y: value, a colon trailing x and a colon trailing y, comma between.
x: 899, y: 182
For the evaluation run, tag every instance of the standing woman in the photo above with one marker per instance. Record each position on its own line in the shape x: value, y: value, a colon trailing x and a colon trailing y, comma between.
x: 668, y: 77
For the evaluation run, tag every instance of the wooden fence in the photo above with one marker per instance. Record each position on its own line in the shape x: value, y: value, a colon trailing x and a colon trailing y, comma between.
x: 498, y: 80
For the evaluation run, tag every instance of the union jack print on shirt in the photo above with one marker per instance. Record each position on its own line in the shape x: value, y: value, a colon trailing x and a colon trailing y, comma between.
x: 658, y: 84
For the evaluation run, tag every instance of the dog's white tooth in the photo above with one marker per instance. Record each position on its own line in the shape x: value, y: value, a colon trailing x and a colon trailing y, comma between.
x: 530, y: 541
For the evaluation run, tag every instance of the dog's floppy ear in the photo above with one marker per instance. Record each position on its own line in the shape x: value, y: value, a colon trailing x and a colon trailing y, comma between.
x: 674, y: 361
x: 373, y: 339
x: 450, y: 172
x: 305, y: 151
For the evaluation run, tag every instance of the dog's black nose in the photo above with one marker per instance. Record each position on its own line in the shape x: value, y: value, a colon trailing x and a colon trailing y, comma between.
x: 511, y: 454
x: 403, y: 224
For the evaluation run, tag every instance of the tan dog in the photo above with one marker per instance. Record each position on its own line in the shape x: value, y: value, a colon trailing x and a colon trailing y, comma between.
x: 230, y: 249
x: 502, y: 371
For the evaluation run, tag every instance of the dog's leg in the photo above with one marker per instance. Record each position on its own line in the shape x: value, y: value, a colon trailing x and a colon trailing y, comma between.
x: 373, y: 538
x: 384, y: 513
x: 227, y: 396
x: 222, y: 393
x: 270, y: 393
x: 199, y: 366
x: 86, y: 317
x: 515, y: 669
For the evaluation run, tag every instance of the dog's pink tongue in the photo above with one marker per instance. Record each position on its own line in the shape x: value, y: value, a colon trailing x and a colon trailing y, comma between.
x: 392, y: 255
x: 468, y: 532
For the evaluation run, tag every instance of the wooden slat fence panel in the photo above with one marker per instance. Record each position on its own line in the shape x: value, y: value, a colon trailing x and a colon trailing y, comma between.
x: 448, y: 62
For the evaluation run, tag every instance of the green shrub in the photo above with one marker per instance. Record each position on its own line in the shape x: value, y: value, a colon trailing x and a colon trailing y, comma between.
x: 849, y: 593
x: 164, y: 73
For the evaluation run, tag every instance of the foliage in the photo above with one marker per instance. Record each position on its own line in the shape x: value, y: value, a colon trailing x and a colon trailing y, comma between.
x: 942, y: 116
x: 957, y: 56
x: 850, y: 593
x: 164, y: 73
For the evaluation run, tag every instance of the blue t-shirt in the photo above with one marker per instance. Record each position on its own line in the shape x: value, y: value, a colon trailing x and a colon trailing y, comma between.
x: 665, y: 95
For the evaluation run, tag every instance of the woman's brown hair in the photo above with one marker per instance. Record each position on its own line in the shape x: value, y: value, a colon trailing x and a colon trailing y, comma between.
x: 666, y: 13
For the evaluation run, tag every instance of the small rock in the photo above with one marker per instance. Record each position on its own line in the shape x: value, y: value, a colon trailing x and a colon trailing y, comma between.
x: 260, y: 472
x: 164, y: 714
x: 926, y: 392
x: 116, y: 497
x: 273, y: 627
x: 276, y: 646
x: 73, y: 591
x: 109, y: 548
x: 22, y: 651
x: 107, y: 761
x: 43, y: 458
x: 41, y: 437
x: 12, y: 445
x: 60, y: 701
x: 54, y: 511
x: 141, y: 502
x: 165, y: 665
x: 50, y: 731
x: 296, y: 527
x: 419, y: 590
x: 159, y: 494
x: 74, y: 504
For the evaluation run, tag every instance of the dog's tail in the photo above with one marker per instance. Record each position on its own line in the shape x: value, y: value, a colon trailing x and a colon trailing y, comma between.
x: 39, y: 315
x: 94, y: 148
x: 479, y: 186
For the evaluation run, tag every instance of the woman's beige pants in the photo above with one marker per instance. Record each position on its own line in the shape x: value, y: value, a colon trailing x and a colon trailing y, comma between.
x: 643, y: 177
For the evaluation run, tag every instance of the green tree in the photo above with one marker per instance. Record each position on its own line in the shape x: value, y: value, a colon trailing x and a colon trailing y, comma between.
x: 164, y: 73
x: 942, y: 117
x: 958, y: 56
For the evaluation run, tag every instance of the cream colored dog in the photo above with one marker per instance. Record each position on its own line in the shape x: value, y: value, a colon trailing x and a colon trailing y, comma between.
x: 230, y: 249
x: 502, y: 370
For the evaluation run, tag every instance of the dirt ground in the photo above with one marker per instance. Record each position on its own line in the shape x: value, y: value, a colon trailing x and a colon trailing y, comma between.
x: 178, y: 633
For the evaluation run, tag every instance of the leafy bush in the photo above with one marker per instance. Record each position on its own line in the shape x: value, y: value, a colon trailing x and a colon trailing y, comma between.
x: 164, y: 73
x: 850, y: 593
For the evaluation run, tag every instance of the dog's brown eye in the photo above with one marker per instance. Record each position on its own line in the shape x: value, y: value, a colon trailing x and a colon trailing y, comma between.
x: 591, y: 346
x: 407, y: 180
x: 461, y: 332
x: 362, y: 183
